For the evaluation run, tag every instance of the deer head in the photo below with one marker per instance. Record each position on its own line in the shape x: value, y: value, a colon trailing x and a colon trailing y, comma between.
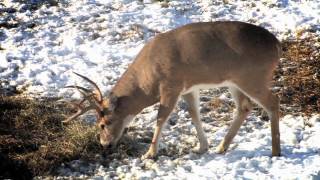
x: 110, y: 123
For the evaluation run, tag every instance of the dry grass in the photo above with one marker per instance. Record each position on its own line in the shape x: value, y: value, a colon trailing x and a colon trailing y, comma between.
x: 34, y: 142
x: 298, y: 75
x: 32, y: 136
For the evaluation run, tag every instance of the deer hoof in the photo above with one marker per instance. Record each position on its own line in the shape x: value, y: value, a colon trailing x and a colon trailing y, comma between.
x: 149, y: 155
x: 276, y: 153
x: 220, y: 149
x: 201, y: 150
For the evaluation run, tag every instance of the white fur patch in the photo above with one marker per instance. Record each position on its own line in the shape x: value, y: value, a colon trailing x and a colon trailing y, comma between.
x: 197, y: 87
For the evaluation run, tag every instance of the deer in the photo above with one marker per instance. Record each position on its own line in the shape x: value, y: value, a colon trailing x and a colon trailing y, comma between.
x: 177, y: 64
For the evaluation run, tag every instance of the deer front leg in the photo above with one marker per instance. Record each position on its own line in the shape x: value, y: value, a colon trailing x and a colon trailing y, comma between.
x: 168, y: 100
x: 192, y: 100
x: 243, y: 107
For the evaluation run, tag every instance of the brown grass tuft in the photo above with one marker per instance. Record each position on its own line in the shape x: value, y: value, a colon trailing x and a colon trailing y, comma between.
x: 32, y: 135
x: 298, y: 75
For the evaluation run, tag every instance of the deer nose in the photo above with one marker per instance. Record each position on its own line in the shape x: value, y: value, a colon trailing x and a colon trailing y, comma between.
x: 102, y: 126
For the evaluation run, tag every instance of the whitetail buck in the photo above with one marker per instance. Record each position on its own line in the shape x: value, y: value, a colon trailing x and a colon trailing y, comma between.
x: 177, y: 64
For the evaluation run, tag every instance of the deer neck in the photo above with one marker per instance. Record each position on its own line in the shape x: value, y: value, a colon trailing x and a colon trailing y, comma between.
x: 133, y: 94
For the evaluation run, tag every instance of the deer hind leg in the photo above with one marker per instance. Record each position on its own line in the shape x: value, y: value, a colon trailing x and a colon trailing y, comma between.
x: 270, y: 103
x: 192, y: 100
x: 168, y: 100
x: 243, y: 107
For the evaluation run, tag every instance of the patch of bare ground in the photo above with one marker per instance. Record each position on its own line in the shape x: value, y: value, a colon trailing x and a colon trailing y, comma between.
x: 297, y: 78
x: 33, y: 141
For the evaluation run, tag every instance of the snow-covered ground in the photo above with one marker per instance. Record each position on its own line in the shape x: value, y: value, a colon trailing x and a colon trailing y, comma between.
x: 100, y: 38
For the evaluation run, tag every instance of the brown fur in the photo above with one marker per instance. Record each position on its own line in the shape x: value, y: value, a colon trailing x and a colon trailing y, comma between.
x: 199, y: 53
x: 189, y: 55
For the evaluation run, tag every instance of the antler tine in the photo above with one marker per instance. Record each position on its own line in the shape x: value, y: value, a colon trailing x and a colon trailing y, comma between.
x: 86, y: 96
x: 100, y: 98
x: 80, y: 111
x: 83, y: 91
x: 79, y: 87
x: 94, y: 99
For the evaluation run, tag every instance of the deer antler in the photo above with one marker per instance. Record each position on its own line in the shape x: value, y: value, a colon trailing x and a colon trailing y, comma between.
x: 81, y: 110
x: 93, y: 97
x: 96, y: 88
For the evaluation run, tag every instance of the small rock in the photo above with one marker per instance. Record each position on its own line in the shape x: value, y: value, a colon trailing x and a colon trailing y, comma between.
x: 205, y: 98
x: 187, y: 168
x: 204, y: 109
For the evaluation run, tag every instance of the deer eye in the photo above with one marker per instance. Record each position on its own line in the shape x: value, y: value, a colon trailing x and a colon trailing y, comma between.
x: 101, y: 113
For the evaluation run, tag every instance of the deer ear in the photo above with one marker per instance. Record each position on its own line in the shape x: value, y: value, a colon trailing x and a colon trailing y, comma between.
x: 113, y: 102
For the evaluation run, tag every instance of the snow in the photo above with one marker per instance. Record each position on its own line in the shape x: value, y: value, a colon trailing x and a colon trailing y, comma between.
x: 248, y: 157
x: 100, y: 38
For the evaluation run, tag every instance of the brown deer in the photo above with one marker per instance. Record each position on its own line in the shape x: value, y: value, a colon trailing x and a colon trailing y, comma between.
x: 177, y: 64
